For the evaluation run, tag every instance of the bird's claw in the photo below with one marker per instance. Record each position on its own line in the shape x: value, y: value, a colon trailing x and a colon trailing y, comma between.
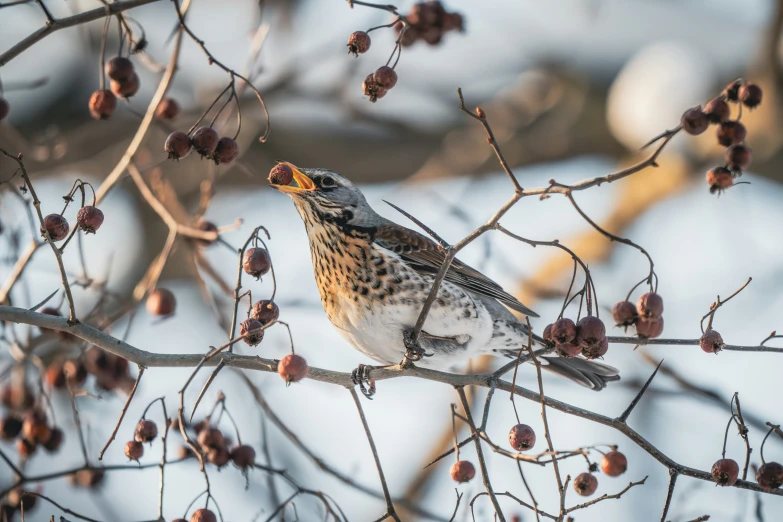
x: 413, y: 350
x: 361, y: 375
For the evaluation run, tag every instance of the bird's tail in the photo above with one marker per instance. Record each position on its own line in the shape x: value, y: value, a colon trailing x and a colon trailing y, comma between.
x: 590, y: 374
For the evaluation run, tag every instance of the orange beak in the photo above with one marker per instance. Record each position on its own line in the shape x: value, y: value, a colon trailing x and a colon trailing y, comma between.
x: 303, y: 183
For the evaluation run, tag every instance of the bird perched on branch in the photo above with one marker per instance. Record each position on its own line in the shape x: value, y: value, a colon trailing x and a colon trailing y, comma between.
x: 374, y: 277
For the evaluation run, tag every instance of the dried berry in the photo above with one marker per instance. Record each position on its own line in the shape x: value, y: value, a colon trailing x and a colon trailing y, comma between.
x: 594, y: 350
x: 265, y: 311
x: 203, y: 515
x: 731, y: 133
x: 385, y: 77
x: 614, y: 464
x: 281, y: 175
x: 126, y: 88
x: 749, y: 94
x: 75, y: 372
x: 292, y: 368
x: 624, y: 313
x: 34, y: 427
x: 711, y: 341
x: 522, y: 437
x: 738, y: 157
x: 358, y: 43
x: 568, y: 350
x: 249, y: 325
x: 89, y: 218
x: 55, y: 440
x: 717, y: 110
x: 719, y: 179
x: 10, y: 427
x: 585, y: 484
x: 770, y: 475
x: 563, y: 331
x: 372, y: 89
x: 119, y: 69
x: 102, y: 104
x: 146, y: 431
x: 731, y: 91
x: 211, y: 437
x: 178, y: 145
x: 243, y: 456
x: 161, y: 302
x: 167, y: 109
x: 462, y: 471
x: 205, y: 141
x: 226, y: 151
x: 547, y: 335
x: 4, y: 108
x: 650, y: 305
x: 57, y: 226
x: 589, y: 331
x: 26, y: 448
x: 206, y: 226
x: 649, y: 328
x: 725, y: 472
x: 134, y: 450
x: 256, y: 262
x: 88, y: 478
x: 218, y: 456
x: 184, y: 452
x: 18, y: 499
x: 55, y: 376
x: 694, y: 121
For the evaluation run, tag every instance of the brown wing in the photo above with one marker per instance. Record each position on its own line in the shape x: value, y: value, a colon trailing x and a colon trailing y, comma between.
x: 424, y: 256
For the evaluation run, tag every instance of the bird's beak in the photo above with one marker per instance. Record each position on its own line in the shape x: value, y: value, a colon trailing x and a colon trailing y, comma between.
x: 303, y: 183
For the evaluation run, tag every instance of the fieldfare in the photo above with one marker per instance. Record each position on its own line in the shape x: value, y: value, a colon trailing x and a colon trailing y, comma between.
x: 374, y: 276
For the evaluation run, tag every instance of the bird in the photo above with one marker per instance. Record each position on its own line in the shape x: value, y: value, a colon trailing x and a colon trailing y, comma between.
x: 374, y: 275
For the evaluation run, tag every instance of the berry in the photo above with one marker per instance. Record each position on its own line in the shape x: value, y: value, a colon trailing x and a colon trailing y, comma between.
x: 206, y: 226
x: 55, y: 376
x: 292, y: 368
x: 55, y: 440
x: 585, y: 484
x: 547, y: 336
x: 102, y: 104
x: 649, y: 328
x: 281, y: 175
x: 243, y: 456
x: 624, y: 313
x: 589, y: 331
x: 462, y: 471
x: 10, y: 427
x: 749, y: 94
x: 126, y: 88
x: 57, y: 226
x: 738, y: 157
x: 211, y: 437
x: 4, y: 108
x: 731, y: 91
x: 650, y: 305
x: 563, y: 331
x: 717, y: 110
x: 256, y: 262
x: 614, y: 464
x: 205, y: 141
x: 522, y: 437
x: 358, y: 43
x: 597, y: 349
x: 385, y: 77
x: 265, y: 311
x: 18, y: 499
x: 218, y: 456
x: 711, y: 341
x: 226, y: 151
x: 770, y: 475
x: 75, y: 372
x: 167, y: 109
x: 89, y: 218
x: 731, y: 133
x: 694, y: 121
x: 34, y: 428
x: 178, y: 145
x: 88, y: 478
x: 134, y: 450
x: 249, y: 325
x: 203, y: 515
x: 568, y: 350
x: 719, y: 179
x: 146, y: 431
x: 26, y: 448
x: 161, y: 302
x: 119, y: 69
x: 372, y: 89
x: 184, y: 452
x: 725, y: 472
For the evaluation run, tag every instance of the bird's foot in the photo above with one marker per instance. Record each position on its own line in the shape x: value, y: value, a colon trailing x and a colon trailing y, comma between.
x: 413, y: 350
x: 361, y: 375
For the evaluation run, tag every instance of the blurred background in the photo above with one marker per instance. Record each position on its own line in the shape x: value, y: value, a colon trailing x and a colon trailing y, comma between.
x: 572, y: 89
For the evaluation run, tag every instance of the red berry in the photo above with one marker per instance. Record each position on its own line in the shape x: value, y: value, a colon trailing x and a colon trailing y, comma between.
x: 281, y: 175
x: 10, y: 427
x: 358, y: 43
x: 292, y: 368
x: 4, y: 108
x: 211, y: 437
x: 453, y: 22
x: 226, y: 151
x: 88, y: 478
x: 770, y: 475
x: 178, y: 145
x: 119, y: 69
x: 563, y: 331
x: 385, y: 77
x: 203, y: 515
x: 218, y: 456
x: 34, y: 427
x: 18, y: 499
x: 731, y: 91
x: 55, y: 440
x: 57, y: 226
x: 265, y: 311
x: 547, y: 335
x: 694, y: 121
x: 146, y: 431
x: 731, y: 133
x: 719, y: 179
x: 26, y: 448
x: 650, y: 305
x: 134, y: 450
x: 89, y: 218
x: 738, y: 157
x: 167, y: 109
x: 614, y: 464
x: 711, y: 341
x: 256, y: 262
x: 624, y: 313
x: 589, y: 331
x: 725, y: 472
x: 585, y: 484
x: 522, y: 437
x: 462, y: 471
x: 717, y: 110
x: 102, y: 104
x: 594, y: 350
x: 243, y: 456
x: 161, y: 302
x: 248, y: 325
x: 55, y: 376
x: 75, y: 372
x: 649, y: 328
x: 205, y: 141
x: 125, y: 88
x: 568, y: 350
x: 750, y: 95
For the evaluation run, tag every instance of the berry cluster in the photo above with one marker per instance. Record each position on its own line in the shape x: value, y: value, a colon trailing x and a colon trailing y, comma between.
x: 205, y: 141
x: 88, y: 218
x: 647, y: 315
x: 217, y: 448
x: 124, y: 82
x: 429, y: 21
x: 377, y: 84
x: 613, y: 464
x: 587, y: 337
x: 146, y: 431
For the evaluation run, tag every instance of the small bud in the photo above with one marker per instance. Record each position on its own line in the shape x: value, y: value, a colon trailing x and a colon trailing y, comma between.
x: 480, y: 112
x: 102, y: 104
x: 731, y: 133
x: 749, y: 94
x: 522, y: 437
x: 226, y: 151
x: 205, y: 141
x: 462, y: 471
x: 717, y: 110
x: 719, y: 179
x: 725, y: 472
x: 281, y: 175
x: 203, y: 515
x: 563, y: 331
x: 614, y: 464
x: 119, y: 69
x: 161, y: 302
x: 89, y: 218
x: 650, y: 305
x: 265, y: 311
x: 167, y: 109
x: 649, y: 328
x: 178, y: 145
x: 694, y: 121
x: 146, y: 431
x: 385, y: 77
x: 358, y: 43
x: 738, y: 157
x: 256, y: 262
x: 57, y: 226
x: 770, y: 475
x: 126, y: 88
x: 624, y: 313
x: 585, y: 484
x: 248, y: 325
x: 243, y: 456
x: 292, y: 368
x: 711, y: 341
x: 134, y: 450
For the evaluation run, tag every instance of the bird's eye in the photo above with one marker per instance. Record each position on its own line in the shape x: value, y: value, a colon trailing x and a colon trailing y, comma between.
x: 327, y: 182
